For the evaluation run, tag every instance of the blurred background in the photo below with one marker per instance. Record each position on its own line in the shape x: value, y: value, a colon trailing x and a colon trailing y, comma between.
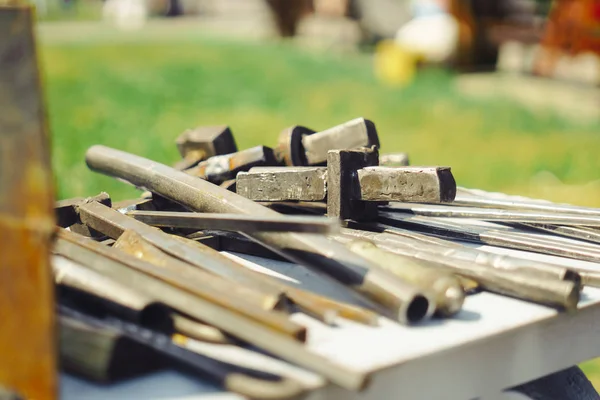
x: 506, y: 92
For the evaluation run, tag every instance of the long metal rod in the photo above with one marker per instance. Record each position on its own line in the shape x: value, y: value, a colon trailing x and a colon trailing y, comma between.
x: 312, y: 250
x: 112, y: 223
x: 68, y: 244
x: 490, y: 214
x: 389, y: 235
x: 236, y: 324
x: 236, y: 222
x: 471, y: 198
x: 492, y: 237
x: 140, y: 240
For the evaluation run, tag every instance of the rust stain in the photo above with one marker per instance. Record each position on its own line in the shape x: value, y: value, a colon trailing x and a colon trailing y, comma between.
x: 27, y: 337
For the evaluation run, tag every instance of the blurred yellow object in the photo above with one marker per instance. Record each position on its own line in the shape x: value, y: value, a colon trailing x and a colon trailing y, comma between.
x: 393, y: 64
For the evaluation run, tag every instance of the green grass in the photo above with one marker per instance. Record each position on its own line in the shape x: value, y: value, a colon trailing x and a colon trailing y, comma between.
x: 138, y: 96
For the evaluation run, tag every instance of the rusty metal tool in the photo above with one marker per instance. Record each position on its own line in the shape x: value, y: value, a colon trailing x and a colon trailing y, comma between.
x: 399, y: 302
x: 71, y: 246
x: 236, y: 222
x: 88, y: 288
x: 394, y: 160
x: 248, y: 382
x: 26, y: 215
x: 111, y: 265
x: 495, y: 215
x: 198, y: 144
x: 219, y: 169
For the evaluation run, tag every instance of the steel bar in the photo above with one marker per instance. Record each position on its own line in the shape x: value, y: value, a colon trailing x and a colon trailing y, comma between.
x: 489, y: 214
x: 236, y: 222
x: 393, y: 236
x: 86, y: 287
x: 319, y: 307
x: 355, y: 133
x: 283, y: 183
x: 27, y: 341
x: 68, y: 244
x: 574, y: 232
x: 488, y: 200
x: 445, y: 288
x: 229, y: 321
x: 245, y: 381
x: 314, y: 251
x: 185, y: 275
x: 113, y: 224
x: 551, y: 292
x: 491, y: 237
x: 407, y: 184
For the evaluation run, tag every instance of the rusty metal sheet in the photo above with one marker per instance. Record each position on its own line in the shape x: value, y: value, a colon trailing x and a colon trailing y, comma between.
x: 27, y: 339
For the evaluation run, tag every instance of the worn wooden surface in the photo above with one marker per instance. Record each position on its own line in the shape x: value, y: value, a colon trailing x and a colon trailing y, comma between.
x: 27, y: 340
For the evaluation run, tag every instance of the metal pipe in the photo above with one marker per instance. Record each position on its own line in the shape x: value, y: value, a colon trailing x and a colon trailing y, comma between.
x: 445, y: 288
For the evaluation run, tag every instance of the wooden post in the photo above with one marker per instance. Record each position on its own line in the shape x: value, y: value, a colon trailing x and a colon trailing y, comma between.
x: 27, y: 337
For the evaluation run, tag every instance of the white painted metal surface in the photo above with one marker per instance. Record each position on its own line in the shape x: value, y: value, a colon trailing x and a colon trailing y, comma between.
x: 494, y: 343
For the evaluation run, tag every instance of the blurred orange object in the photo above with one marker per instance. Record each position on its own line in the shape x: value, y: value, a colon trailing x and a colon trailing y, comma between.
x: 573, y: 28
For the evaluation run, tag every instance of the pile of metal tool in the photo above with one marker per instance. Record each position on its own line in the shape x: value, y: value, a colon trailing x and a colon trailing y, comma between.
x: 138, y: 279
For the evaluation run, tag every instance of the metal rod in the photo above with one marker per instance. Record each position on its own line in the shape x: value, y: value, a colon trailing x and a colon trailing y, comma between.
x: 311, y: 250
x: 113, y: 224
x: 236, y: 222
x: 236, y: 324
x: 390, y: 235
x: 229, y: 299
x: 490, y: 214
x: 478, y: 234
x: 445, y: 288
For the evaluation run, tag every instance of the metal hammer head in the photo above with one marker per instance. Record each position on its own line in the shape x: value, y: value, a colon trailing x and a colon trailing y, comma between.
x: 200, y: 143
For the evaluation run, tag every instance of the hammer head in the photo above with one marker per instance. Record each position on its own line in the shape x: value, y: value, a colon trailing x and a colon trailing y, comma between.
x: 200, y: 143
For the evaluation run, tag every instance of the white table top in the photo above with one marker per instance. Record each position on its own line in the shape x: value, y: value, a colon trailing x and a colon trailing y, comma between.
x: 495, y: 342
